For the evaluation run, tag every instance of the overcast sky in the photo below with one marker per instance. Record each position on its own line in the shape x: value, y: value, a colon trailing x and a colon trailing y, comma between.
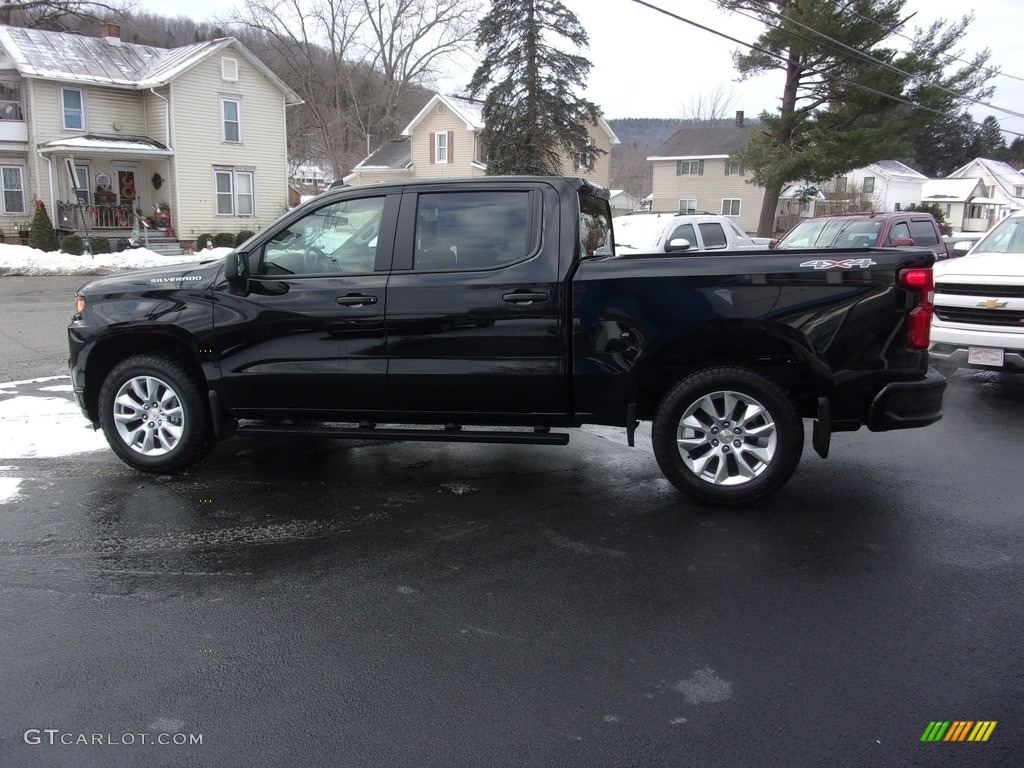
x: 646, y: 64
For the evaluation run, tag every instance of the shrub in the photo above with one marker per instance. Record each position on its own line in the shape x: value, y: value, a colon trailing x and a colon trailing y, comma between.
x: 121, y: 244
x: 224, y: 240
x: 99, y: 244
x: 201, y: 240
x: 244, y: 235
x: 71, y: 244
x: 40, y: 233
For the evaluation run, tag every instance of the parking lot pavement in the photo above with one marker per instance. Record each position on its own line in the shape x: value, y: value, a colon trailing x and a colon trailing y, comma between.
x: 329, y: 604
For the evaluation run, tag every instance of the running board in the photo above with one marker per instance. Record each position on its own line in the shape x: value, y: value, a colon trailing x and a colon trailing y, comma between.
x: 450, y: 434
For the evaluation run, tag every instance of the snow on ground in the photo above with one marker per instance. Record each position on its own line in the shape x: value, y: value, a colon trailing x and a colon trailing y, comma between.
x: 22, y: 260
x: 39, y: 425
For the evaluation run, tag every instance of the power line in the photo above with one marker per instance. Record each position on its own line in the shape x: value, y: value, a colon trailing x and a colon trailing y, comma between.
x: 866, y: 56
x: 814, y: 70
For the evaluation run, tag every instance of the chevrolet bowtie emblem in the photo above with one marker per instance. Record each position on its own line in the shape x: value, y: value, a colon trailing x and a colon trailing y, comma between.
x: 992, y: 304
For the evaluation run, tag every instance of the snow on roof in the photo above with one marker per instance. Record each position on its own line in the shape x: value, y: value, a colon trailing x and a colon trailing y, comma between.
x: 109, y: 144
x: 77, y: 58
x: 948, y: 190
x: 896, y: 168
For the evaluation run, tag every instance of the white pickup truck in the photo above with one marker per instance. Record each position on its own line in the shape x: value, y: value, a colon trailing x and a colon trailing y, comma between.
x: 979, y: 303
x: 679, y: 233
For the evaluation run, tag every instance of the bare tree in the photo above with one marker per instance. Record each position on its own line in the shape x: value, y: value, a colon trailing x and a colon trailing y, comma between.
x: 709, y: 108
x: 354, y: 62
x: 631, y: 171
x: 45, y: 13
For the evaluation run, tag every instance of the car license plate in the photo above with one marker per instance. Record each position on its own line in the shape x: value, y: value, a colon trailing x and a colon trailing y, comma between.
x: 984, y: 356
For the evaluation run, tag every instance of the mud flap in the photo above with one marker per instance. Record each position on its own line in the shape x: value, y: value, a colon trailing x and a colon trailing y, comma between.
x: 821, y: 436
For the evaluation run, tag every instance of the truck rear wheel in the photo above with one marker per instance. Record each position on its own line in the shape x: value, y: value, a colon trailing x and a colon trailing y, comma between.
x: 153, y: 415
x: 727, y: 435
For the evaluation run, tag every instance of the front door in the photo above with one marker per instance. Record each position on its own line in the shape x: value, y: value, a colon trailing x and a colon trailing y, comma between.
x: 318, y: 286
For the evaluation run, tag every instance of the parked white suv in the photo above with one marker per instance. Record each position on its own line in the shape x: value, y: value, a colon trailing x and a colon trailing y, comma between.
x: 681, y: 233
x: 979, y: 303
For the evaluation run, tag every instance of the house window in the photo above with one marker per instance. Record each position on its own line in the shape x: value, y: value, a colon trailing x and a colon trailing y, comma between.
x: 441, y: 147
x: 231, y: 120
x: 734, y: 168
x: 234, y: 192
x: 899, y: 207
x: 947, y: 209
x: 1018, y: 191
x: 869, y: 183
x: 841, y: 184
x: 731, y: 206
x: 586, y: 158
x: 805, y: 206
x: 689, y: 167
x: 229, y: 69
x: 10, y: 101
x: 72, y: 108
x: 12, y: 181
x: 479, y: 150
x: 688, y: 206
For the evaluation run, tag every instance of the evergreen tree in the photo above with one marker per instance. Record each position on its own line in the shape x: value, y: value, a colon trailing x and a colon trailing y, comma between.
x: 991, y: 142
x: 40, y: 231
x: 947, y: 146
x: 849, y: 98
x: 532, y: 116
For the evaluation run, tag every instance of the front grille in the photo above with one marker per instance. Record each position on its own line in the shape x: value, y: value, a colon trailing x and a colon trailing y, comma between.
x: 980, y: 316
x: 969, y: 289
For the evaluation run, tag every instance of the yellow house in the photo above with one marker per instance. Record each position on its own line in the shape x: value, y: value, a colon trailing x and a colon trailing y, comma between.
x: 443, y: 141
x: 109, y: 134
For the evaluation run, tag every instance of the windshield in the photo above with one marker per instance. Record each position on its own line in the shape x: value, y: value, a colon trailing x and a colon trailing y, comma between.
x: 833, y: 233
x: 1006, y: 237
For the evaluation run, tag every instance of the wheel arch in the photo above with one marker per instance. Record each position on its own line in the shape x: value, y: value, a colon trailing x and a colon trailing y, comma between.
x: 774, y: 350
x: 112, y: 348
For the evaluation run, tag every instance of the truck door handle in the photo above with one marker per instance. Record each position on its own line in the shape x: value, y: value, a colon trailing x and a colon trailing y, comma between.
x: 354, y: 300
x: 524, y: 297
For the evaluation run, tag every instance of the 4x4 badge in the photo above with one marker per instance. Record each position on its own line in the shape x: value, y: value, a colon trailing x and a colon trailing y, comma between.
x: 842, y: 264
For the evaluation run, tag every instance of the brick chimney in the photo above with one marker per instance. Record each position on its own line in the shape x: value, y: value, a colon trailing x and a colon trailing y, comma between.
x: 739, y: 118
x: 111, y: 33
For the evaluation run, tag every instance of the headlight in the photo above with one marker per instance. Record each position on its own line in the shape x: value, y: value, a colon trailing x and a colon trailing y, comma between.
x: 79, y: 304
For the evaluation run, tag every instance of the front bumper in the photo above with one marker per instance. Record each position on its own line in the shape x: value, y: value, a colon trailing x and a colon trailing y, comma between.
x: 952, y: 356
x: 908, y: 404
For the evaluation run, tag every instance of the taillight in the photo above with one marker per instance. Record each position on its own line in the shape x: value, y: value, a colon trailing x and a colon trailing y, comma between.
x: 919, y: 281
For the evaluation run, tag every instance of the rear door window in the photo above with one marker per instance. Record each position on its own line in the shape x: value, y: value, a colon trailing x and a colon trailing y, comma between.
x: 713, y: 234
x: 923, y: 232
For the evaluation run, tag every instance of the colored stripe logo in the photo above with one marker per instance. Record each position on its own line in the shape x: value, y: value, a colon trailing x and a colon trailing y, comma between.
x: 958, y: 730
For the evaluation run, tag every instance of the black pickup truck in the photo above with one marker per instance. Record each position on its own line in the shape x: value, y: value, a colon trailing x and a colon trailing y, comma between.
x: 495, y: 310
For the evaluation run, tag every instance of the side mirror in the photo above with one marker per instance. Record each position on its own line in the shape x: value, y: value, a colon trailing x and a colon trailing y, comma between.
x: 679, y: 244
x: 237, y: 266
x: 773, y: 244
x: 902, y: 242
x: 962, y: 247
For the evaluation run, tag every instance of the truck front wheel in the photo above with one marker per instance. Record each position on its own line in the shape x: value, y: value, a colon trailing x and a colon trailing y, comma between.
x: 727, y: 435
x: 153, y: 415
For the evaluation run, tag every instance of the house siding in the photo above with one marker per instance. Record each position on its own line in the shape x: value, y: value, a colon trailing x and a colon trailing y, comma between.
x: 196, y: 137
x: 708, y: 190
x: 600, y: 170
x: 460, y: 153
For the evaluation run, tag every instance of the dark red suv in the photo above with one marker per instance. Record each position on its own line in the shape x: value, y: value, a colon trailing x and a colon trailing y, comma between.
x: 867, y: 230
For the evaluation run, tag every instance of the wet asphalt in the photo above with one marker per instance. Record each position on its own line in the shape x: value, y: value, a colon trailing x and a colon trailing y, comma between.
x: 313, y: 603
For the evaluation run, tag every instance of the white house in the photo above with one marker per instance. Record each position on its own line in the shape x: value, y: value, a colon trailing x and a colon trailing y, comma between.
x: 1004, y: 185
x: 960, y: 202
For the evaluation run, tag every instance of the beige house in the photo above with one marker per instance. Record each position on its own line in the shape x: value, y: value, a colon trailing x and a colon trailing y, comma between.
x: 443, y: 141
x: 694, y: 172
x: 107, y: 134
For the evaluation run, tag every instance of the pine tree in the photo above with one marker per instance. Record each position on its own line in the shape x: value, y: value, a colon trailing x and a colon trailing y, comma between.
x: 991, y: 142
x: 531, y: 113
x: 40, y: 232
x: 850, y: 97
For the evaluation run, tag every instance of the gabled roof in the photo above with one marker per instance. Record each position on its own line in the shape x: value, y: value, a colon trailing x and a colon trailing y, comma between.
x: 467, y: 110
x: 75, y: 58
x: 893, y: 168
x: 471, y: 112
x: 703, y: 141
x: 997, y: 172
x: 392, y: 155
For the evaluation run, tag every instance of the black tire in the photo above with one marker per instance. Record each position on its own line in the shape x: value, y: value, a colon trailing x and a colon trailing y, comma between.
x: 763, y: 448
x: 153, y: 415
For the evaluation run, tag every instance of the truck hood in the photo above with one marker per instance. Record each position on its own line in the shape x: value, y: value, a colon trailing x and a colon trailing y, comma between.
x: 172, y: 276
x: 1008, y: 265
